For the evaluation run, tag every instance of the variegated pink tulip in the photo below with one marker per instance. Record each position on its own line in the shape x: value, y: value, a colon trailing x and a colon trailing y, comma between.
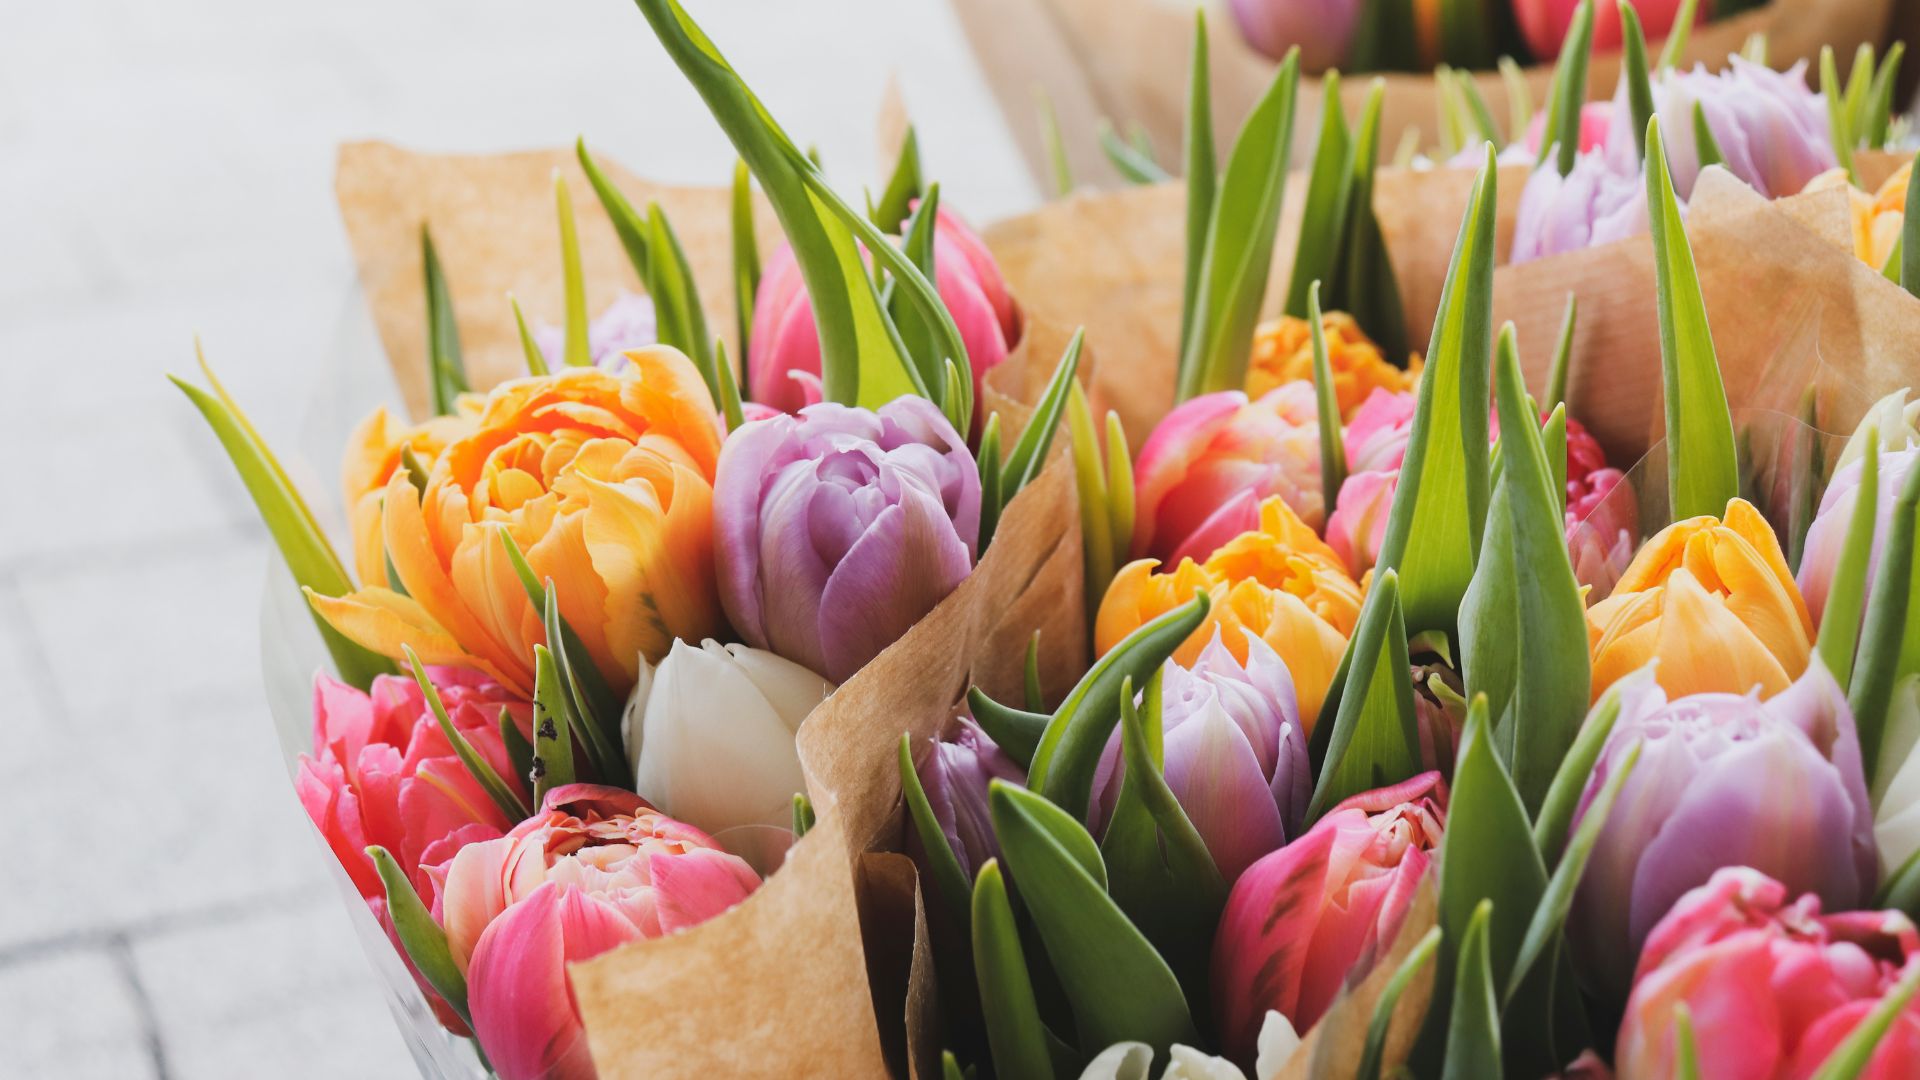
x: 1303, y: 921
x: 595, y: 868
x: 1770, y: 126
x: 1203, y: 472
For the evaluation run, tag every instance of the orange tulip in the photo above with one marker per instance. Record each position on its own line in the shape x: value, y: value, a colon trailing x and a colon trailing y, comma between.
x: 1877, y: 216
x: 1713, y: 600
x: 374, y: 455
x: 1283, y: 353
x: 604, y: 482
x: 1280, y: 584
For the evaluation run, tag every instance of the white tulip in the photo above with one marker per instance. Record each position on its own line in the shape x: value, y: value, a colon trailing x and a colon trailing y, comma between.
x: 1134, y: 1060
x: 710, y: 730
x: 1897, y: 421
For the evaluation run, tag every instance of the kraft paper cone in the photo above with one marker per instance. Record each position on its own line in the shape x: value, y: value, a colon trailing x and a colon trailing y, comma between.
x: 1127, y: 61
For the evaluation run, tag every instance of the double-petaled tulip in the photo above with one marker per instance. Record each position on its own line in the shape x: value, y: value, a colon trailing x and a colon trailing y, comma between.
x: 1375, y: 445
x: 596, y: 868
x: 956, y: 772
x: 1771, y: 128
x: 630, y: 322
x: 1321, y: 29
x: 1203, y: 472
x: 1234, y: 751
x: 382, y: 772
x: 1283, y: 353
x: 1878, y: 216
x: 838, y: 528
x: 1713, y: 600
x: 1595, y: 203
x: 720, y: 703
x: 1280, y: 584
x: 375, y: 454
x: 1722, y: 780
x: 1827, y: 536
x: 783, y: 353
x: 1305, y: 920
x: 1770, y: 987
x: 604, y: 482
x: 1545, y: 23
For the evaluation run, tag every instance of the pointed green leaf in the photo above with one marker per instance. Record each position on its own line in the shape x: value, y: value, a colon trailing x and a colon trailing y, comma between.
x: 732, y: 409
x: 681, y: 294
x: 1676, y: 46
x: 1127, y: 160
x: 1880, y: 98
x: 1119, y: 480
x: 503, y: 794
x: 1029, y: 453
x: 1058, y: 170
x: 1686, y: 1051
x: 992, y: 476
x: 1368, y: 289
x: 1416, y: 960
x: 552, y: 737
x: 628, y: 225
x: 1519, y: 97
x: 1706, y: 147
x: 1859, y: 85
x: 598, y: 734
x: 1563, y: 796
x: 1184, y: 850
x: 587, y: 687
x: 1316, y: 256
x: 1896, y: 258
x: 573, y: 278
x: 1102, y: 543
x: 746, y: 256
x: 1014, y: 1031
x: 1473, y: 1030
x: 1901, y: 891
x: 1562, y: 370
x: 1837, y: 120
x: 1375, y: 739
x: 1855, y: 1052
x: 1479, y: 113
x: 803, y: 815
x: 903, y: 187
x: 1200, y: 164
x: 422, y: 939
x: 444, y: 358
x: 917, y: 244
x: 1910, y: 230
x: 1553, y: 438
x: 1035, y: 699
x: 1846, y: 598
x: 1890, y: 606
x: 519, y: 750
x: 948, y: 877
x: 1569, y: 93
x: 1639, y: 81
x: 530, y: 349
x: 1333, y: 451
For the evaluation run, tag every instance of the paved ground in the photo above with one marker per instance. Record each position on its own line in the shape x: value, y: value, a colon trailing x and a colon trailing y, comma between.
x: 165, y: 170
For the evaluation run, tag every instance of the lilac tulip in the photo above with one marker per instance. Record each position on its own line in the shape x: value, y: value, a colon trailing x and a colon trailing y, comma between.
x: 1594, y: 204
x: 956, y: 774
x: 1234, y: 751
x: 627, y: 323
x: 1323, y: 29
x: 837, y: 528
x: 1827, y: 536
x: 1770, y: 127
x: 1722, y: 780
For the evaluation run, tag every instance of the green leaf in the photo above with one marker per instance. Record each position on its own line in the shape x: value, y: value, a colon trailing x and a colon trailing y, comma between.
x: 315, y: 567
x: 1058, y: 169
x: 1381, y: 1022
x: 1333, y: 451
x: 804, y: 818
x: 599, y: 732
x: 519, y: 750
x: 1706, y: 147
x: 1070, y: 748
x: 552, y: 737
x: 1523, y: 623
x: 1466, y: 37
x: 1553, y: 438
x: 1519, y: 97
x: 1375, y: 738
x: 1119, y: 483
x: 449, y: 369
x: 1910, y: 230
x: 917, y: 244
x: 587, y: 687
x: 1703, y: 471
x: 1014, y: 1031
x: 1901, y: 890
x: 1368, y: 289
x: 1102, y: 543
x: 732, y: 410
x: 903, y: 187
x: 1890, y: 608
x: 1857, y: 1050
x: 1676, y: 46
x: 950, y: 1067
x: 1859, y: 85
x: 1200, y: 164
x: 1316, y: 256
x: 1239, y: 247
x: 1896, y: 258
x: 1118, y: 986
x: 1473, y: 1030
x: 1029, y: 453
x: 1837, y: 119
x: 676, y: 300
x: 573, y: 278
x: 1880, y: 98
x: 536, y: 360
x: 502, y: 793
x: 1562, y: 369
x: 1569, y: 92
x: 1035, y: 698
x: 1563, y: 796
x: 1686, y: 1051
x: 1478, y: 111
x: 746, y: 256
x: 1639, y: 82
x: 1184, y: 850
x: 422, y: 939
x: 992, y: 475
x: 948, y: 876
x: 1846, y: 598
x: 1440, y: 505
x: 1127, y: 160
x: 628, y: 225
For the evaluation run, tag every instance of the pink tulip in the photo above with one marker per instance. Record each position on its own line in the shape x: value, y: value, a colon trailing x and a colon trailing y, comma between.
x: 1306, y: 919
x: 1201, y: 475
x: 1323, y: 29
x: 1596, y: 123
x: 596, y: 868
x: 1376, y: 443
x: 1771, y: 987
x: 783, y: 353
x: 1544, y: 23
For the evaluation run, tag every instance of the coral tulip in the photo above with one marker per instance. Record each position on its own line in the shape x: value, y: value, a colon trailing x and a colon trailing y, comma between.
x: 1234, y: 754
x: 1771, y: 987
x: 839, y: 528
x: 717, y: 703
x: 1306, y: 920
x: 604, y: 482
x: 1544, y: 23
x: 1201, y: 475
x: 1280, y: 584
x: 596, y: 868
x: 1722, y: 780
x: 630, y: 322
x: 783, y: 353
x: 1714, y: 601
x: 1827, y: 536
x: 1770, y: 127
x: 1283, y: 353
x: 956, y: 774
x: 1322, y: 29
x: 1596, y: 203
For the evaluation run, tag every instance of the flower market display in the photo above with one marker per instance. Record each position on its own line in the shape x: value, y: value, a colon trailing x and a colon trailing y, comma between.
x: 821, y: 661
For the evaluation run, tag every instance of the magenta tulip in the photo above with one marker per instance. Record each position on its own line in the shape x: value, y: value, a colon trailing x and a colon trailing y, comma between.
x: 1544, y: 23
x: 838, y: 528
x: 1771, y: 128
x: 1323, y: 29
x: 1722, y: 780
x: 956, y: 773
x: 1771, y: 987
x: 1305, y: 920
x: 1827, y: 536
x: 783, y: 354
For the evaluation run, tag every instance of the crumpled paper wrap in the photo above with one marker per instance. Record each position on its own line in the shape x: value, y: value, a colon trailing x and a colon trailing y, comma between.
x: 1127, y: 61
x: 814, y: 974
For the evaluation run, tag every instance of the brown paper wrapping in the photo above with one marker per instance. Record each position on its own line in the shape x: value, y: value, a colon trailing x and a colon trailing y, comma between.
x: 1127, y: 61
x: 824, y: 971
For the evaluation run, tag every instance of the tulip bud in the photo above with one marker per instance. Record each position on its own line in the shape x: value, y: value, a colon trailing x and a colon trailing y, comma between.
x: 1307, y: 919
x: 720, y: 703
x: 1375, y: 443
x: 1895, y: 420
x: 1770, y: 126
x: 956, y: 775
x: 1596, y: 203
x: 1234, y: 751
x: 1722, y: 780
x: 1827, y: 536
x: 838, y: 528
x: 1771, y: 987
x: 627, y: 323
x: 1321, y: 29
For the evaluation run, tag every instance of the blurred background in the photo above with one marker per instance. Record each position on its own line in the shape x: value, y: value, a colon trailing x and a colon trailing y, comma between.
x: 166, y: 171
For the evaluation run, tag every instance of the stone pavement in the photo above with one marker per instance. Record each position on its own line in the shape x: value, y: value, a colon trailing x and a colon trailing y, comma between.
x: 166, y: 170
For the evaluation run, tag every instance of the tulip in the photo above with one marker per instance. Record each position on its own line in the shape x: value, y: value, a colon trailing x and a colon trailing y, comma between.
x: 374, y: 455
x: 1827, y: 536
x: 1602, y: 524
x: 1893, y: 420
x: 1770, y: 127
x: 596, y: 868
x: 839, y: 528
x: 1722, y: 780
x: 1283, y: 353
x: 1878, y: 217
x: 627, y: 323
x: 1896, y: 786
x: 1771, y: 987
x: 1321, y: 29
x: 1544, y: 23
x: 1306, y: 920
x: 1596, y: 203
x: 1375, y: 443
x: 956, y: 775
x: 783, y: 353
x: 720, y: 703
x: 1234, y: 754
x: 1280, y: 584
x: 1714, y: 601
x: 603, y: 482
x: 1596, y: 124
x: 1201, y: 475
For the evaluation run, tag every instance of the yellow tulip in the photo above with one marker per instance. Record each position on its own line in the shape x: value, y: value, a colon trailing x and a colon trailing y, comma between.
x: 1280, y: 584
x: 374, y: 455
x: 604, y: 482
x: 1283, y: 353
x: 1877, y: 217
x: 1713, y: 600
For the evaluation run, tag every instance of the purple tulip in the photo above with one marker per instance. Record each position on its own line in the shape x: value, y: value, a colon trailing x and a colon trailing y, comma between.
x: 627, y: 323
x: 956, y: 775
x: 1770, y: 127
x: 1234, y: 751
x: 1827, y: 536
x: 1594, y: 204
x: 837, y: 528
x: 1722, y: 780
x: 1323, y: 29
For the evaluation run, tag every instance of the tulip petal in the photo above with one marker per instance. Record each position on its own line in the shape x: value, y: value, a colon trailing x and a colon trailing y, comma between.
x: 1214, y: 774
x: 383, y: 620
x: 1704, y: 647
x: 906, y: 562
x: 410, y: 548
x: 698, y: 884
x: 659, y: 581
x: 1179, y: 440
